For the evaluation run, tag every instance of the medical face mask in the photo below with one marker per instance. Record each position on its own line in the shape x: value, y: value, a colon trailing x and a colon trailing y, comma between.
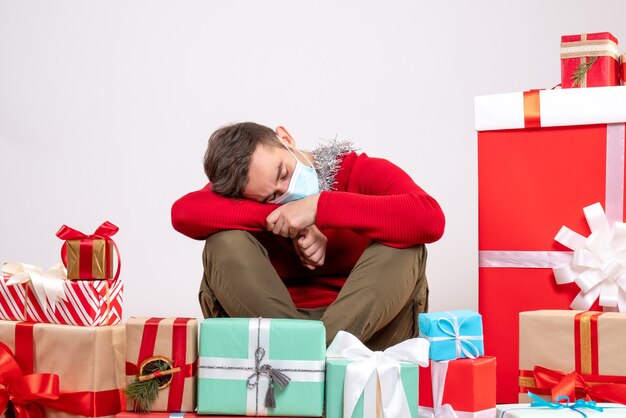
x: 303, y: 181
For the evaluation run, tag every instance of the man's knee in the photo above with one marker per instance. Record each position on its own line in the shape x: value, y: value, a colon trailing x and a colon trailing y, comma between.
x: 386, y: 254
x: 229, y: 248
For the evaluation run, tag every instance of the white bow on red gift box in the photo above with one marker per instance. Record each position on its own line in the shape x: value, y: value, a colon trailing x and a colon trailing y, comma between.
x: 598, y: 265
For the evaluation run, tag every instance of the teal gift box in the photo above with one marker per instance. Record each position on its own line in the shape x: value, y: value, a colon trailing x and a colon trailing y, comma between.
x: 362, y: 383
x: 453, y: 334
x: 245, y: 364
x: 370, y: 398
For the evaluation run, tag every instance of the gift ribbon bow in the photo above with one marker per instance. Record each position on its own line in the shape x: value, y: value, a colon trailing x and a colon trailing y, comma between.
x: 47, y: 285
x: 569, y: 385
x: 104, y: 231
x: 274, y: 375
x: 386, y: 364
x: 598, y: 266
x: 452, y: 328
x: 563, y: 402
x: 438, y: 371
x: 25, y: 392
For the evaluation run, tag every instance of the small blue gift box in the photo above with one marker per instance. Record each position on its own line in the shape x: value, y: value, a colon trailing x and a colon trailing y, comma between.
x: 453, y: 334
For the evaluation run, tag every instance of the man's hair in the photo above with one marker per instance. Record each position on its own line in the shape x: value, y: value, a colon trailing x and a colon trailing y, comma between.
x: 228, y: 154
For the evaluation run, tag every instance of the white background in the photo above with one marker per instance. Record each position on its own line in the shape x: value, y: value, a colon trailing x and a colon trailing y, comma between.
x: 106, y: 106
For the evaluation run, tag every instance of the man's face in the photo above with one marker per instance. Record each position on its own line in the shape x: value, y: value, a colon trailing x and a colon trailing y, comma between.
x: 269, y: 173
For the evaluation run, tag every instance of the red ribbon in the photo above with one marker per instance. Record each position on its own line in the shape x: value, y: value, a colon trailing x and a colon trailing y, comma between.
x: 105, y: 232
x: 29, y: 393
x: 179, y: 357
x: 574, y: 386
x: 26, y: 393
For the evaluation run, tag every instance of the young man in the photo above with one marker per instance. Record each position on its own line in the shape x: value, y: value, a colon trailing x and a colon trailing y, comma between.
x: 331, y: 235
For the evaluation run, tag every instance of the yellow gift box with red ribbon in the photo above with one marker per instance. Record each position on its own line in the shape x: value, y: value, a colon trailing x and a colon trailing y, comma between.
x: 579, y: 354
x: 90, y: 256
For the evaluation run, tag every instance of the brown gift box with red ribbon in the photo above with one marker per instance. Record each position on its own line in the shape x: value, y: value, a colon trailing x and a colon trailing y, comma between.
x: 61, y: 371
x: 589, y: 60
x: 89, y: 256
x: 174, y: 340
x: 579, y: 354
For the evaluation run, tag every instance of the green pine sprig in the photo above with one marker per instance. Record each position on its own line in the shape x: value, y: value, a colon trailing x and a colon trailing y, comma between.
x: 143, y: 394
x: 581, y: 71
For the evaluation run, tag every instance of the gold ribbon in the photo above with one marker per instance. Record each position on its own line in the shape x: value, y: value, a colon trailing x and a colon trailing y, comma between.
x: 585, y: 343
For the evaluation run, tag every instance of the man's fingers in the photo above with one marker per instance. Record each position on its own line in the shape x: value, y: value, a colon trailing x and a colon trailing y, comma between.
x: 272, y: 219
x: 305, y: 241
x: 312, y: 249
x: 298, y: 249
x: 317, y: 257
x: 279, y: 228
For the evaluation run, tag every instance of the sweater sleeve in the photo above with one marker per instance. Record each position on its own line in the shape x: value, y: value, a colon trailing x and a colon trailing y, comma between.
x: 202, y: 213
x: 383, y: 203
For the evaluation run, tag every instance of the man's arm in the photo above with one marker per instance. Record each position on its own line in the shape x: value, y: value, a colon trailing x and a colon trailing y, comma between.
x: 384, y: 204
x: 202, y: 213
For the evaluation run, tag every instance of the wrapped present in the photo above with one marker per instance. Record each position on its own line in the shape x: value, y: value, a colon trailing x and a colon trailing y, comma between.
x: 543, y: 156
x: 562, y: 409
x: 67, y: 370
x: 576, y: 354
x: 622, y: 72
x: 361, y: 383
x: 28, y: 293
x: 465, y: 386
x: 452, y: 334
x: 261, y: 366
x: 589, y: 60
x: 165, y: 349
x: 90, y: 256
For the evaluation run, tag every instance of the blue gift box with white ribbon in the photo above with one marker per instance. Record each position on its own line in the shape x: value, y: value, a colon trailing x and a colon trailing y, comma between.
x: 453, y: 334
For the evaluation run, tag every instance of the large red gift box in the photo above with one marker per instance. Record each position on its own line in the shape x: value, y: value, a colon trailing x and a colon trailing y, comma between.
x: 542, y: 157
x: 622, y: 61
x: 595, y: 55
x: 469, y: 388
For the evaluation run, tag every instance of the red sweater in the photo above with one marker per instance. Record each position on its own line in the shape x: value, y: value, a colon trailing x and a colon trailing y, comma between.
x: 373, y: 200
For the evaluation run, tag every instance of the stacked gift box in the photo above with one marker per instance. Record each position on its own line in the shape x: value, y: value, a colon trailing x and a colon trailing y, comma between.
x: 61, y: 345
x: 551, y: 202
x: 460, y: 379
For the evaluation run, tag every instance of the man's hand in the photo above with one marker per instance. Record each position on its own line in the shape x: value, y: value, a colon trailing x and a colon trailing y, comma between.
x: 310, y: 246
x: 292, y: 217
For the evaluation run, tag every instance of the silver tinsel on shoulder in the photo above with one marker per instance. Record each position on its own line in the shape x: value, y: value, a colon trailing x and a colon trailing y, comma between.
x: 327, y: 159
